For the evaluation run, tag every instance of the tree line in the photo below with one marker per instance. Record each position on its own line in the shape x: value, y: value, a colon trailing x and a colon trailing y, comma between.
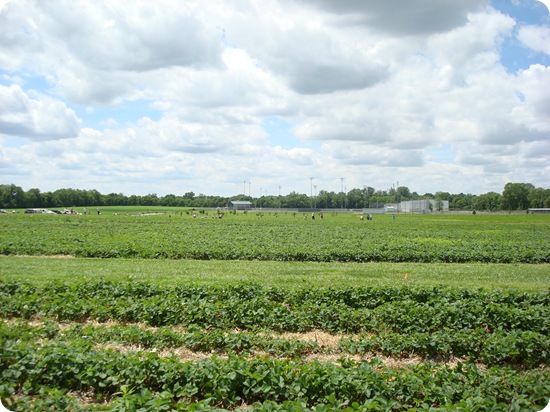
x: 515, y: 196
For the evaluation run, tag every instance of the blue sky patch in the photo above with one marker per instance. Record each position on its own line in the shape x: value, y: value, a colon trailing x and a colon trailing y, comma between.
x: 513, y: 54
x: 280, y: 132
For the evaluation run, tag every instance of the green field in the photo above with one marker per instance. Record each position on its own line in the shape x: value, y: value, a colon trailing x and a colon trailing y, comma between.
x: 152, y: 309
x: 281, y: 237
x: 40, y: 271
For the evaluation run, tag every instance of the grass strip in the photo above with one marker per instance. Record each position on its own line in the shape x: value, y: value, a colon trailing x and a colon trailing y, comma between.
x: 40, y: 270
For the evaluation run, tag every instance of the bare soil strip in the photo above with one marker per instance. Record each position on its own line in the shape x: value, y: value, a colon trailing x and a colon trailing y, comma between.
x: 328, y: 342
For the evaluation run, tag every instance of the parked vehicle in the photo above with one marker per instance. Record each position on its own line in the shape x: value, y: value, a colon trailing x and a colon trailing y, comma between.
x: 41, y: 211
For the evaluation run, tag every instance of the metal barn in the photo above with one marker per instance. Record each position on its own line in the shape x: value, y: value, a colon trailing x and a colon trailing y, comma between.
x: 240, y: 205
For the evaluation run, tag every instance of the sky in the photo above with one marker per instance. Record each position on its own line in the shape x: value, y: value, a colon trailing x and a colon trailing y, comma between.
x: 269, y: 97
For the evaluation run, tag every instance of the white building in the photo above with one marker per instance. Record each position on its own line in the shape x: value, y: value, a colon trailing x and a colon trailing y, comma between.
x: 424, y: 206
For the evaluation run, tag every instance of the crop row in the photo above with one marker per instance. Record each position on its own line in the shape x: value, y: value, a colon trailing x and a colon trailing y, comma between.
x: 406, y: 240
x: 523, y: 349
x: 251, y: 307
x: 47, y: 365
x: 44, y: 374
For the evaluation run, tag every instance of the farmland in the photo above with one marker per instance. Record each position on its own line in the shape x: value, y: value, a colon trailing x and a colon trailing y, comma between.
x: 163, y: 311
x: 282, y: 237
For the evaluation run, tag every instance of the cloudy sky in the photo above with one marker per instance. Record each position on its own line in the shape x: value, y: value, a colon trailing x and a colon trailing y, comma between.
x: 222, y: 97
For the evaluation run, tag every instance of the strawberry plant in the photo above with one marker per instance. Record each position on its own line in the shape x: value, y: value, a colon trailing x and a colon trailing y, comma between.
x: 418, y: 239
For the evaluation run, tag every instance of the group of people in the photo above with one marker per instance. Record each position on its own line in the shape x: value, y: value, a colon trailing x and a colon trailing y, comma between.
x: 369, y: 217
x: 85, y: 211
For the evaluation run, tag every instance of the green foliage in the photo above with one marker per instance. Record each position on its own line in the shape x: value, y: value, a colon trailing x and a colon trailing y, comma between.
x: 44, y: 364
x: 515, y: 196
x: 493, y: 327
x: 92, y: 344
x: 457, y: 239
x: 136, y: 379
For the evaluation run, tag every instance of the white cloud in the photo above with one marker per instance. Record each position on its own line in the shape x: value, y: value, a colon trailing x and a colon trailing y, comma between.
x: 536, y: 38
x: 109, y: 36
x: 40, y: 117
x: 394, y: 17
x: 535, y: 111
x: 95, y: 52
x: 371, y: 89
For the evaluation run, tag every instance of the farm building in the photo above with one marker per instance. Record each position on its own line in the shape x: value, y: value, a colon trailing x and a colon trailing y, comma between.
x: 424, y: 206
x: 240, y: 205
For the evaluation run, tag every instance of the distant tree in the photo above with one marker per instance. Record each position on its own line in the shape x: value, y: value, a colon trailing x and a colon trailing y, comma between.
x: 366, y: 194
x: 93, y: 198
x: 355, y: 199
x: 11, y: 196
x: 133, y: 200
x: 33, y: 198
x: 324, y: 199
x: 379, y: 200
x: 443, y: 196
x: 488, y: 201
x: 295, y: 200
x: 168, y: 200
x: 516, y: 196
x: 404, y: 193
x: 462, y: 201
x: 62, y: 198
x: 114, y: 199
x: 200, y: 201
x: 539, y: 197
x: 80, y: 197
x: 150, y: 200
